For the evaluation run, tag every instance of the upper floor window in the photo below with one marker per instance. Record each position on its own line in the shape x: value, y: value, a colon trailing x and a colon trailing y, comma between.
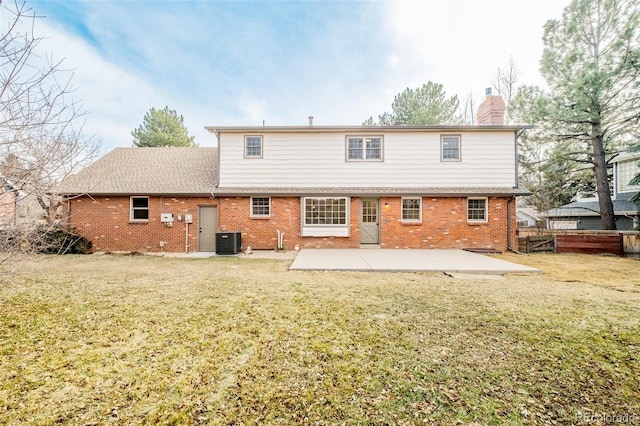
x: 450, y: 147
x: 253, y: 147
x: 627, y: 170
x: 139, y: 209
x: 411, y: 209
x: 361, y: 148
x: 477, y: 209
x: 260, y: 206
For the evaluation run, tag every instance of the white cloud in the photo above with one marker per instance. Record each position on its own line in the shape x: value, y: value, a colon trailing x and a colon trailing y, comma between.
x: 343, y: 66
x: 461, y: 43
x: 117, y: 98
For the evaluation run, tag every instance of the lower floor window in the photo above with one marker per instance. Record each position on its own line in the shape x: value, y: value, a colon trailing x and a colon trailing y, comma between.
x: 139, y: 209
x: 477, y: 209
x: 260, y: 206
x: 325, y: 211
x: 411, y: 209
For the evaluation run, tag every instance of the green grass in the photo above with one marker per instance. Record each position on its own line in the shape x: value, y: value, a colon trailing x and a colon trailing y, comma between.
x: 133, y: 340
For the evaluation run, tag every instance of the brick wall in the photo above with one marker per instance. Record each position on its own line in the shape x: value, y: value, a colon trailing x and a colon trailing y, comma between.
x: 105, y: 221
x: 444, y: 225
x: 261, y: 233
x: 7, y: 208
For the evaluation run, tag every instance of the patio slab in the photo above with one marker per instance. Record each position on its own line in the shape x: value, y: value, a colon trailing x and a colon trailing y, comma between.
x: 405, y: 260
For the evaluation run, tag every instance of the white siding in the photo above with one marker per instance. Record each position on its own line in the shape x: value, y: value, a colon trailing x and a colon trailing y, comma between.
x: 410, y: 160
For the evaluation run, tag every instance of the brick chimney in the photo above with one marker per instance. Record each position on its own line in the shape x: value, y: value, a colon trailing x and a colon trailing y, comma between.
x: 491, y: 110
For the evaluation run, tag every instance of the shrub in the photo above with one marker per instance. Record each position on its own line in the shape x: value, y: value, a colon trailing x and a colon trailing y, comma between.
x: 49, y: 240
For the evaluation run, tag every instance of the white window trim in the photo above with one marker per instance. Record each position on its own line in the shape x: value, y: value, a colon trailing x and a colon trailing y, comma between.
x: 260, y: 216
x: 324, y: 230
x: 364, y: 158
x: 402, y: 219
x: 618, y: 181
x: 261, y: 146
x: 486, y: 210
x: 451, y: 160
x: 131, y: 209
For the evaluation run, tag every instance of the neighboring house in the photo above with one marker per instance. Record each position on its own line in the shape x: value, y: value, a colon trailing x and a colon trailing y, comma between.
x: 8, y: 198
x: 17, y: 208
x: 314, y: 186
x: 584, y: 214
x: 528, y: 217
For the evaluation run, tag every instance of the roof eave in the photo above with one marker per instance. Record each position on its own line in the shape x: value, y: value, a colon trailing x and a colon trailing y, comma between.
x: 375, y: 192
x: 217, y: 130
x: 130, y: 194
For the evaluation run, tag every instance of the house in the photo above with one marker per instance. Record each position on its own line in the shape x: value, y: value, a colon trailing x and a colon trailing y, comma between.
x: 528, y: 217
x: 8, y: 199
x: 17, y: 208
x: 584, y: 213
x: 308, y: 187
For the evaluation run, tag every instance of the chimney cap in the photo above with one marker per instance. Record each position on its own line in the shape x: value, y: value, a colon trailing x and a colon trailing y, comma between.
x: 311, y: 120
x: 487, y: 91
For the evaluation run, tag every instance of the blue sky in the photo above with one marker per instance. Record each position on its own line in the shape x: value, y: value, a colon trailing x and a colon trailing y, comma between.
x: 245, y: 62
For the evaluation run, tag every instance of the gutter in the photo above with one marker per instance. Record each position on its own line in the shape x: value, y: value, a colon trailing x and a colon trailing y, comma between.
x: 217, y: 130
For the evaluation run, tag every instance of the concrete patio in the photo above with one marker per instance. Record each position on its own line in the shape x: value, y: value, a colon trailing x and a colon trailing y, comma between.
x: 405, y: 260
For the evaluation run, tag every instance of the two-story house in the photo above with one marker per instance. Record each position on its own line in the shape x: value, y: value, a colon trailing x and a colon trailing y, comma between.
x: 584, y: 213
x: 400, y: 187
x: 308, y: 187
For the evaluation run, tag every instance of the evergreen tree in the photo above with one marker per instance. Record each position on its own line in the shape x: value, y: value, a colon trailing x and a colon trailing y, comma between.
x: 553, y: 171
x: 427, y: 105
x: 591, y: 63
x: 162, y: 127
x: 636, y: 179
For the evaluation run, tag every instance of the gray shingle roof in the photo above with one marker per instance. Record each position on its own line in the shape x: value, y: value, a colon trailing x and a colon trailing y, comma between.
x: 592, y: 208
x: 147, y: 171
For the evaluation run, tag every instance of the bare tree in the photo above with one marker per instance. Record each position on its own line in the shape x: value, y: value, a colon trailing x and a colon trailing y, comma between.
x: 468, y: 109
x: 41, y: 123
x: 505, y: 81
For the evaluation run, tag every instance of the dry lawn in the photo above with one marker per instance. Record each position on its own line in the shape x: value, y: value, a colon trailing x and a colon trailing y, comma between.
x: 141, y: 339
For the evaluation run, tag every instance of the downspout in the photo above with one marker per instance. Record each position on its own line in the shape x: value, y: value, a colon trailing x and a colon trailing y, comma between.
x: 186, y: 236
x: 68, y: 215
x: 517, y: 160
x: 509, y: 248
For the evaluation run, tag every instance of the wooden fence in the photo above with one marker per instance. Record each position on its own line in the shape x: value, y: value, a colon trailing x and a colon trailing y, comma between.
x: 537, y: 243
x: 565, y: 241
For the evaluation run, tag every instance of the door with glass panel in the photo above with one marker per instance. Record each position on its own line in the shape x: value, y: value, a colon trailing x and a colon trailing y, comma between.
x: 369, y: 223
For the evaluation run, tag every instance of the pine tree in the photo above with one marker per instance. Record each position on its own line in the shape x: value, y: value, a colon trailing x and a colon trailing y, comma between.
x: 162, y: 127
x: 591, y: 63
